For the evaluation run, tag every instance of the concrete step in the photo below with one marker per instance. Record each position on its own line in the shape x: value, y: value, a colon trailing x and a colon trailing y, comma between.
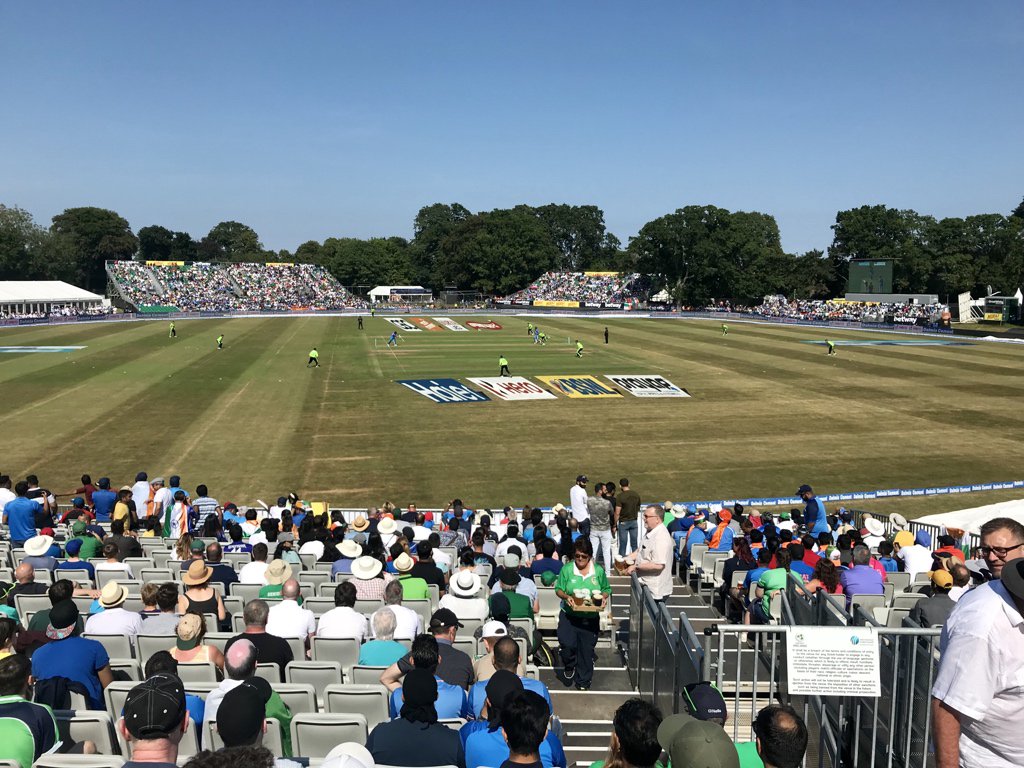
x: 605, y: 679
x: 579, y: 705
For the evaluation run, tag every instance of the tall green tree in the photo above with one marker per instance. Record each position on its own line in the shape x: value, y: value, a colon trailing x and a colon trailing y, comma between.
x: 183, y: 247
x: 879, y: 232
x: 21, y: 242
x: 308, y: 252
x: 155, y: 243
x: 232, y: 241
x: 93, y: 236
x: 378, y: 261
x: 496, y: 253
x: 578, y: 231
x: 432, y: 226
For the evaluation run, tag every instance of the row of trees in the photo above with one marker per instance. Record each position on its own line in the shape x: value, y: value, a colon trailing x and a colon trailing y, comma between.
x: 697, y: 252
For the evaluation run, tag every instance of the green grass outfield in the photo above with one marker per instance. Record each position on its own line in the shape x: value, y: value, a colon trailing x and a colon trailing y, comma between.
x: 768, y: 412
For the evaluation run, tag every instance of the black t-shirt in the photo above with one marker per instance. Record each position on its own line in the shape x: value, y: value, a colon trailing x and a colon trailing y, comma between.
x: 270, y: 649
x: 126, y: 546
x: 402, y: 742
x: 32, y: 588
x: 456, y: 668
x: 630, y: 503
x: 430, y: 573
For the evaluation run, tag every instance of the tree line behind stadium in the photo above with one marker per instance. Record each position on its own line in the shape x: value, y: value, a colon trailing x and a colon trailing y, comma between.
x: 698, y: 252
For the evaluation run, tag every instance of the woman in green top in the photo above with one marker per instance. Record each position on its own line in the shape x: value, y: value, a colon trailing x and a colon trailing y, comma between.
x: 577, y: 632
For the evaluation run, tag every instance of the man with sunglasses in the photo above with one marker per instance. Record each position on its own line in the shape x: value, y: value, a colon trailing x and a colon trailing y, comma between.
x: 977, y: 699
x: 653, y: 561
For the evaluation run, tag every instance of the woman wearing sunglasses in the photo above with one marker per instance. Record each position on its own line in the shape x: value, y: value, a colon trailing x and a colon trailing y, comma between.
x: 577, y: 630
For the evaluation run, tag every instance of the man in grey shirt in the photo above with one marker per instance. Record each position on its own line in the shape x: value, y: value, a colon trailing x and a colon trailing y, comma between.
x: 165, y: 622
x: 600, y: 511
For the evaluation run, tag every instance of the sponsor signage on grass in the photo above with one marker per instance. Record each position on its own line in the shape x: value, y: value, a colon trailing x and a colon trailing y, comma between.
x: 579, y: 386
x: 490, y: 325
x: 450, y: 324
x: 400, y: 324
x: 513, y: 388
x: 647, y: 386
x: 445, y: 391
x: 427, y: 325
x: 563, y: 303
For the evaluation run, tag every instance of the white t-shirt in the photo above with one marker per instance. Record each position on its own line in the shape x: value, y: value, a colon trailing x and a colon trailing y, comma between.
x: 420, y: 533
x: 578, y: 503
x: 6, y: 494
x: 162, y: 499
x: 289, y: 619
x: 442, y: 560
x: 315, y: 548
x: 123, y: 567
x: 981, y: 676
x: 114, y: 621
x: 657, y: 547
x: 916, y: 559
x: 343, y: 622
x: 408, y: 623
x: 466, y: 607
x: 254, y: 573
x: 140, y: 495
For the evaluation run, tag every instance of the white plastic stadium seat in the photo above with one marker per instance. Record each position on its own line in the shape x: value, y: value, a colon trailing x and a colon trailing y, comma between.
x: 370, y: 701
x: 316, y: 734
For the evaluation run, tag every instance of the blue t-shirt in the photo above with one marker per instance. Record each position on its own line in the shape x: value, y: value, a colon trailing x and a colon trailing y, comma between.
x: 478, y: 693
x: 545, y: 564
x: 344, y: 565
x: 76, y: 658
x: 21, y: 517
x: 890, y: 564
x: 103, y: 504
x: 238, y: 547
x: 488, y: 748
x: 805, y: 571
x: 814, y: 516
x: 451, y: 701
x: 381, y: 653
x: 79, y: 565
x: 752, y: 576
x: 725, y: 542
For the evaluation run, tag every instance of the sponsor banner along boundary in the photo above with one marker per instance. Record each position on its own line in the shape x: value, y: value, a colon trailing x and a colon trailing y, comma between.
x: 793, y: 501
x: 427, y: 325
x: 513, y: 388
x: 450, y: 324
x: 579, y: 386
x: 401, y: 324
x: 645, y: 385
x: 444, y: 391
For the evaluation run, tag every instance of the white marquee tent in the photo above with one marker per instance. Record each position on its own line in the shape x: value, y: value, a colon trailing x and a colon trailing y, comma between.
x: 40, y: 296
x: 972, y: 519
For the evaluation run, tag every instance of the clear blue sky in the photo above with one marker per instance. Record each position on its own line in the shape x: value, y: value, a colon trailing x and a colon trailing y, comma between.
x: 313, y: 119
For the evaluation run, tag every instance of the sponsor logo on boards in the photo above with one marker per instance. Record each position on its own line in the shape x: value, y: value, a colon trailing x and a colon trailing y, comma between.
x: 579, y: 386
x: 444, y: 391
x: 513, y: 388
x: 450, y: 324
x: 426, y: 325
x: 647, y: 386
x: 402, y: 325
x: 490, y: 325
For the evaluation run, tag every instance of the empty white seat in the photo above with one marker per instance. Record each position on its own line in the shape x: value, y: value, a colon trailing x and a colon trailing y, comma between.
x: 370, y: 701
x: 316, y: 734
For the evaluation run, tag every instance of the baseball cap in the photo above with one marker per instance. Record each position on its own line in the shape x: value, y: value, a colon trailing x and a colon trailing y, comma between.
x: 805, y: 488
x: 697, y: 743
x: 78, y: 527
x: 197, y: 546
x: 510, y: 576
x: 349, y: 755
x: 155, y: 707
x: 494, y: 629
x: 73, y: 547
x: 705, y: 702
x: 242, y: 712
x: 444, y: 618
x: 942, y: 578
x: 581, y: 478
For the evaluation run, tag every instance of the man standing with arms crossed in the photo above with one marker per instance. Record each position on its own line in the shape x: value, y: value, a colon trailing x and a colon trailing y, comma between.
x: 578, y: 505
x: 600, y: 511
x: 627, y: 510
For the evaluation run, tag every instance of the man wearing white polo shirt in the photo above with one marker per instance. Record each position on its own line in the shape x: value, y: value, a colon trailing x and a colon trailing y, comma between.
x: 653, y: 561
x: 342, y: 621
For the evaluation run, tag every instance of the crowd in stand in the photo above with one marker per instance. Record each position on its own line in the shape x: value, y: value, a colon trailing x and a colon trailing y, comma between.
x: 582, y: 286
x: 197, y: 287
x: 58, y: 310
x: 822, y: 310
x: 486, y: 569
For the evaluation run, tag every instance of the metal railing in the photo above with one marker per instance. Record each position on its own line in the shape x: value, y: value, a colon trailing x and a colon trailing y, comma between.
x: 654, y: 649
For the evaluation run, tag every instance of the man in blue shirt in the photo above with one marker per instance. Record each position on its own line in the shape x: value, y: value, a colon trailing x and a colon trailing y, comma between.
x: 103, y: 500
x: 506, y: 656
x: 451, y: 699
x: 797, y: 551
x: 698, y: 534
x: 485, y: 743
x: 815, y: 517
x: 68, y: 655
x: 20, y: 515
